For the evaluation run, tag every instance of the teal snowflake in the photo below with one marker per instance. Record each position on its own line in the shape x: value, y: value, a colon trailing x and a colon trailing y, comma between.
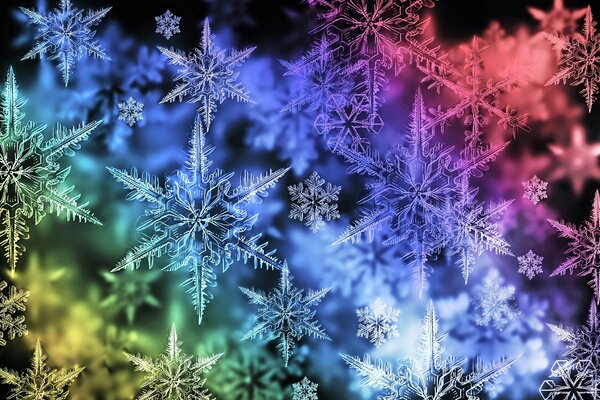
x: 305, y: 390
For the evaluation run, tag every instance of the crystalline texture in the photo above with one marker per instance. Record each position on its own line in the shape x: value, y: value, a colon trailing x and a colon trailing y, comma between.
x: 11, y: 303
x: 313, y: 202
x: 378, y: 323
x: 305, y: 390
x: 167, y: 24
x: 534, y: 190
x: 494, y: 303
x: 130, y: 111
x: 530, y: 264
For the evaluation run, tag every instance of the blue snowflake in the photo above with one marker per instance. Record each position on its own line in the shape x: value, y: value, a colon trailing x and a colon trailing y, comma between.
x: 198, y: 219
x: 130, y: 111
x: 285, y: 314
x: 167, y: 24
x: 494, y: 304
x: 208, y: 75
x: 313, y: 202
x: 305, y: 390
x: 570, y: 380
x: 66, y: 34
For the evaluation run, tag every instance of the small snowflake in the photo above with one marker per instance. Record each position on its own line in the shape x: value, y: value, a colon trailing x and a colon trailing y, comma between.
x: 534, y: 190
x: 130, y: 111
x: 313, y: 202
x: 530, y: 264
x: 167, y: 24
x: 558, y: 20
x: 572, y: 381
x: 10, y: 324
x: 495, y: 304
x: 377, y: 322
x: 305, y: 390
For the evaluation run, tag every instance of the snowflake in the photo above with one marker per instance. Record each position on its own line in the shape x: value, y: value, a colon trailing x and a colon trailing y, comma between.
x: 530, y: 264
x: 431, y: 376
x: 208, y: 75
x: 167, y: 24
x: 572, y: 381
x: 579, y: 61
x: 378, y: 323
x: 494, y: 303
x: 174, y: 375
x: 559, y: 20
x: 66, y: 34
x: 584, y: 245
x: 305, y: 390
x: 534, y: 190
x: 314, y: 202
x: 39, y: 381
x: 12, y: 325
x: 30, y: 175
x: 285, y: 314
x: 198, y: 220
x: 130, y: 291
x: 130, y: 111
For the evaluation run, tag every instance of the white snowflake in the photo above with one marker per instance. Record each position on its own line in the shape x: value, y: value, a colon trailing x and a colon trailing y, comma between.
x: 167, y: 24
x: 572, y: 381
x: 130, y: 111
x: 535, y: 190
x: 313, y: 202
x: 495, y: 304
x: 305, y: 390
x: 11, y: 304
x: 377, y: 322
x: 530, y: 264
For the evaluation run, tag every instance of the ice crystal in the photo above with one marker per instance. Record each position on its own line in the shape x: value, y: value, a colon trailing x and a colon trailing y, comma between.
x: 570, y: 381
x: 313, y: 202
x: 30, y: 173
x: 167, y: 24
x: 285, y: 314
x: 534, y: 190
x: 130, y: 291
x: 305, y: 390
x: 11, y: 303
x: 378, y: 323
x: 39, y: 381
x: 559, y: 20
x: 494, y: 303
x: 208, y: 75
x: 530, y: 264
x: 197, y: 219
x: 66, y: 34
x: 130, y: 111
x: 432, y: 375
x: 579, y: 61
x: 584, y: 247
x: 174, y: 375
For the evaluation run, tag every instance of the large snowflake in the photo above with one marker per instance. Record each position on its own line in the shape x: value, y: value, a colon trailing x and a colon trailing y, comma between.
x: 584, y: 247
x: 39, y: 381
x: 305, y: 390
x: 378, y: 323
x: 432, y: 375
x: 495, y: 303
x: 285, y: 314
x: 174, y: 375
x: 208, y: 75
x: 313, y: 202
x: 31, y: 177
x: 197, y: 219
x: 570, y: 381
x: 12, y: 325
x: 66, y: 34
x: 530, y: 264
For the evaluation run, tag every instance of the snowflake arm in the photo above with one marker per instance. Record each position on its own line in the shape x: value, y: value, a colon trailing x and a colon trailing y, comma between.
x: 12, y: 303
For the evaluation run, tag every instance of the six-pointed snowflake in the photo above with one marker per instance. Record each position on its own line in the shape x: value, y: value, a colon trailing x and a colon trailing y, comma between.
x: 378, y: 323
x: 313, y: 202
x: 208, y: 75
x: 198, y: 219
x: 285, y: 314
x: 66, y: 34
x: 12, y: 325
x: 130, y: 111
x: 570, y: 381
x: 530, y: 264
x: 495, y: 304
x: 31, y: 178
x: 167, y: 24
x: 174, y: 375
x: 39, y: 381
x: 305, y: 390
x: 559, y: 20
x: 534, y: 190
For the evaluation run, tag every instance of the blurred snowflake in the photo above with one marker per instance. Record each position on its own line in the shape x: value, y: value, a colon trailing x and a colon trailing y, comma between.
x: 530, y: 264
x: 167, y: 24
x: 305, y: 390
x: 559, y: 20
x: 534, y: 190
x: 39, y: 381
x: 572, y: 381
x: 130, y: 111
x: 130, y: 291
x: 12, y: 325
x: 378, y: 323
x: 285, y: 314
x: 313, y: 202
x: 494, y: 303
x: 30, y: 174
x: 174, y: 375
x: 208, y: 75
x: 67, y: 35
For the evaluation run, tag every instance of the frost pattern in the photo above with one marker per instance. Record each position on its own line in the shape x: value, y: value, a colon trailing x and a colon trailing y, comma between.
x: 197, y: 219
x: 174, y: 375
x: 530, y: 264
x: 305, y: 390
x: 66, y: 34
x: 377, y: 323
x: 495, y: 304
x: 285, y: 314
x: 130, y: 111
x: 313, y: 202
x: 31, y: 177
x: 535, y: 190
x: 12, y: 325
x: 208, y: 75
x: 167, y: 24
x: 570, y: 380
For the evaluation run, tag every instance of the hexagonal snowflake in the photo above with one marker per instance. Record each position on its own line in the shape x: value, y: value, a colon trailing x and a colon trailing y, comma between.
x: 571, y: 381
x: 530, y: 264
x: 12, y: 325
x: 378, y: 323
x: 130, y: 111
x: 494, y: 303
x: 534, y: 190
x: 167, y: 24
x: 313, y: 202
x: 305, y: 390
